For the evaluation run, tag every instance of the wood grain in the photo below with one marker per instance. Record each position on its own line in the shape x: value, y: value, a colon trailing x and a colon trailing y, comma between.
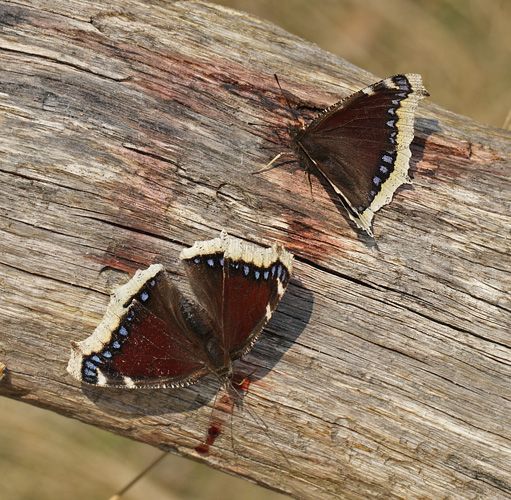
x: 130, y: 130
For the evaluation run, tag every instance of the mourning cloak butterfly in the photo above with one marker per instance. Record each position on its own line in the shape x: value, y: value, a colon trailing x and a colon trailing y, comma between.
x: 153, y: 337
x: 361, y: 145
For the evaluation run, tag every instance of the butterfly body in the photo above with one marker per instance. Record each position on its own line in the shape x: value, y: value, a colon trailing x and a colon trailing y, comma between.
x: 360, y: 145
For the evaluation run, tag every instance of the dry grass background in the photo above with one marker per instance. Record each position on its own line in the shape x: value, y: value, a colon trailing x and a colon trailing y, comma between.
x: 462, y: 49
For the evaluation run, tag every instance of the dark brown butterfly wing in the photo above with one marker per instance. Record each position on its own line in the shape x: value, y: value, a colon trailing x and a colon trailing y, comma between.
x: 255, y: 280
x: 361, y: 144
x: 146, y: 338
x: 239, y: 285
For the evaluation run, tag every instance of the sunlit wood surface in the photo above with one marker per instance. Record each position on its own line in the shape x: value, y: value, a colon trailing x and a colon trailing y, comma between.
x: 131, y: 130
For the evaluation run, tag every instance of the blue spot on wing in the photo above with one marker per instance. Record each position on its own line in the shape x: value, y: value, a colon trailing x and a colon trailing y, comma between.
x: 279, y: 271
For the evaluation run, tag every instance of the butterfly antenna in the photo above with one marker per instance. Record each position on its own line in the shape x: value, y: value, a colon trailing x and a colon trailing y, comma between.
x: 286, y: 99
x: 121, y: 492
x: 232, y: 420
x: 236, y: 395
x: 255, y: 417
x: 262, y: 424
x: 211, y: 416
x: 291, y: 110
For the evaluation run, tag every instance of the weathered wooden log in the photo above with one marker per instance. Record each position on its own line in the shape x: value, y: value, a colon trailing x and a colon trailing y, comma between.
x: 130, y: 130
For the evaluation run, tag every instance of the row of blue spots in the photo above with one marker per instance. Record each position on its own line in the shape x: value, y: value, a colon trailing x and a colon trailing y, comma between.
x: 388, y: 157
x: 211, y: 261
x: 90, y: 368
x: 280, y: 271
x: 275, y: 271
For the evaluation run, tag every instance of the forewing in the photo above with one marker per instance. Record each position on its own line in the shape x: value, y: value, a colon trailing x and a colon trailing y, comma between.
x: 239, y: 285
x: 204, y: 264
x: 144, y: 340
x: 255, y: 280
